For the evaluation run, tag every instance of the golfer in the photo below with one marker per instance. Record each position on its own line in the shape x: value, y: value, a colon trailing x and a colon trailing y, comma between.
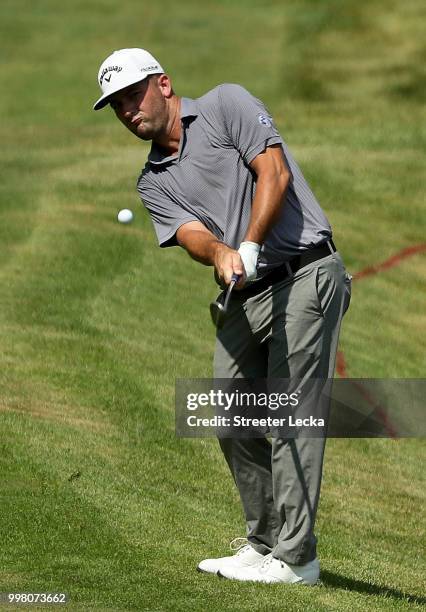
x: 221, y: 182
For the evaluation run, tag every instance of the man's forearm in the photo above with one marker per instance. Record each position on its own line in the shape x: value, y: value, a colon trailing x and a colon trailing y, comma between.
x: 266, y: 208
x: 201, y: 246
x: 273, y: 178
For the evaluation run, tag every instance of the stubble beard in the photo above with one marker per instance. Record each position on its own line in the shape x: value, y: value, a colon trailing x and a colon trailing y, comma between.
x: 154, y: 127
x: 148, y: 131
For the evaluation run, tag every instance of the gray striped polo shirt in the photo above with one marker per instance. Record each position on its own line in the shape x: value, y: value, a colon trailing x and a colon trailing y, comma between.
x: 209, y: 180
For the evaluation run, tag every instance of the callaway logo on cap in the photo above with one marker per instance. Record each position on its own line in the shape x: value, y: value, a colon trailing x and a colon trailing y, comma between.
x: 123, y: 68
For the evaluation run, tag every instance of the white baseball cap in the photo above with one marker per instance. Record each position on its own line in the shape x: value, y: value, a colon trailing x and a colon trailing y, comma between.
x: 123, y: 68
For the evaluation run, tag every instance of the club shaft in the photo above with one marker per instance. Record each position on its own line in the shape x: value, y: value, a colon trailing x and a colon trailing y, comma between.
x: 228, y: 294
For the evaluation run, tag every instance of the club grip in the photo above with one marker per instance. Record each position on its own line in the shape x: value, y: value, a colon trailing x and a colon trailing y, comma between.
x: 235, y: 278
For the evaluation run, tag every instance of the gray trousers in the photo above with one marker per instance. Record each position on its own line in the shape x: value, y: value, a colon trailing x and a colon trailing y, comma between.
x: 290, y: 330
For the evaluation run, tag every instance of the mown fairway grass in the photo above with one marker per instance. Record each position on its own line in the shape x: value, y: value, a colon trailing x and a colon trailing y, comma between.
x: 98, y: 497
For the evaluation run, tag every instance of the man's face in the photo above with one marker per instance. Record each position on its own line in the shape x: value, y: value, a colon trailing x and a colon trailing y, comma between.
x: 142, y: 108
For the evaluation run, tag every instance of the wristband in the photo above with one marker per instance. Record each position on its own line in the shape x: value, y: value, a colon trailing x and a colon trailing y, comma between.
x: 249, y: 252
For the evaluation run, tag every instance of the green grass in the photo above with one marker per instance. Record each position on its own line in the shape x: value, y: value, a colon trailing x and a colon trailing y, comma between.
x: 99, y: 499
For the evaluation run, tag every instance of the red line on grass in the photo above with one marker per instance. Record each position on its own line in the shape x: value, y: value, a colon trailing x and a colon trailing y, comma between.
x: 341, y: 365
x: 379, y: 411
x: 341, y: 368
x: 391, y: 262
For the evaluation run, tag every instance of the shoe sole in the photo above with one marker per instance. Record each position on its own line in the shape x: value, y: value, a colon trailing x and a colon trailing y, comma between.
x: 317, y: 583
x: 201, y: 571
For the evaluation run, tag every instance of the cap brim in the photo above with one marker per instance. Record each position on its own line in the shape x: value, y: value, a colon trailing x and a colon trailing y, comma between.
x: 104, y: 100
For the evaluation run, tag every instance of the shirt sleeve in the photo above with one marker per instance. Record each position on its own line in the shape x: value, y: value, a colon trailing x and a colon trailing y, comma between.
x: 166, y: 215
x: 248, y: 123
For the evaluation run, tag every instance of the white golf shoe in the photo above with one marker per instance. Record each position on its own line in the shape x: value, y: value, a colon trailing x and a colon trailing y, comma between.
x: 245, y: 557
x: 272, y: 570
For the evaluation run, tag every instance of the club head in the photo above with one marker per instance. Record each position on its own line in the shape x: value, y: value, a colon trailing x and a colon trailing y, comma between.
x: 217, y: 313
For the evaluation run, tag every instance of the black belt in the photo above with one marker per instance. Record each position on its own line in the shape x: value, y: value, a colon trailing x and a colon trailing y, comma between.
x: 288, y: 269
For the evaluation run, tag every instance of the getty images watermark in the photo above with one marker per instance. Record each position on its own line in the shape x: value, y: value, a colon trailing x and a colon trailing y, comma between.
x: 290, y: 408
x: 251, y: 408
x: 237, y: 402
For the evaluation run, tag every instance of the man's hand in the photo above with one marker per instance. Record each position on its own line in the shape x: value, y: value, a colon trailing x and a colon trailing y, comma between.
x: 249, y: 252
x: 228, y: 262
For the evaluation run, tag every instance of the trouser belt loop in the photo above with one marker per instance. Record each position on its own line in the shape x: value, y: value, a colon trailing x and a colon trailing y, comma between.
x: 288, y: 268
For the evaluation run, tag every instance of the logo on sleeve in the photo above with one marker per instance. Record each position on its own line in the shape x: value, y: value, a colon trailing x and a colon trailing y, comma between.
x: 265, y: 120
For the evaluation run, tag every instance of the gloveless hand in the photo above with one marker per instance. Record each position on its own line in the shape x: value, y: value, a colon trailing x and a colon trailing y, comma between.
x: 227, y: 262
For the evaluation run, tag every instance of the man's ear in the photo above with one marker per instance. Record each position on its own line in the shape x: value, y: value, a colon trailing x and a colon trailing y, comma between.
x: 165, y: 85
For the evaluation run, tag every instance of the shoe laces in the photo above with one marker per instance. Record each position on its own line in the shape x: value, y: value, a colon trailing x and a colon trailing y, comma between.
x: 238, y: 545
x: 265, y: 563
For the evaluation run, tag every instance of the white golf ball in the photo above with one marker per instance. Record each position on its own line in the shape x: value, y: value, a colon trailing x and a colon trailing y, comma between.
x: 125, y: 216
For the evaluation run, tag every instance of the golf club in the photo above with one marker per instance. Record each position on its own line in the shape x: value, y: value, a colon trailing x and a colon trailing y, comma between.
x: 217, y: 309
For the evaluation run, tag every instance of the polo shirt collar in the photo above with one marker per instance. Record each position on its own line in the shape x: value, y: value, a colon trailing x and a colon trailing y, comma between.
x: 188, y: 108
